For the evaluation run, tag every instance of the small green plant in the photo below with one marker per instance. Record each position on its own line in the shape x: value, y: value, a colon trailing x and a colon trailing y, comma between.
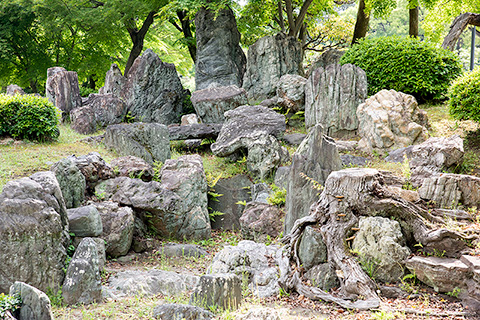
x: 157, y: 168
x: 315, y: 184
x: 242, y: 202
x: 129, y: 118
x: 278, y: 197
x: 370, y: 265
x: 408, y: 283
x: 213, y: 214
x: 28, y: 117
x: 207, y: 141
x: 283, y: 293
x: 454, y: 293
x: 383, y: 315
x: 9, y: 303
x: 100, y: 195
x: 407, y: 174
x: 56, y: 298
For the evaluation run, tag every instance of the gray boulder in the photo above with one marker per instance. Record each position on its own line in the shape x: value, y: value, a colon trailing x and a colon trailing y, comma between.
x: 210, y: 104
x: 260, y: 192
x: 98, y: 111
x: 390, y: 120
x: 281, y: 177
x: 332, y: 95
x: 35, y: 304
x: 102, y: 256
x: 260, y: 221
x: 221, y: 290
x: 93, y: 168
x: 85, y: 221
x: 251, y: 260
x: 62, y: 90
x: 291, y: 91
x: 71, y: 181
x: 149, y: 141
x: 269, y: 58
x: 398, y: 155
x: 353, y: 161
x: 265, y: 155
x: 312, y: 250
x: 449, y: 190
x: 323, y: 276
x: 118, y: 227
x: 14, y: 89
x: 436, y: 155
x: 220, y: 59
x: 315, y: 158
x: 233, y: 190
x: 331, y: 56
x: 114, y: 81
x: 380, y: 242
x: 294, y: 139
x: 182, y: 250
x: 187, y: 119
x: 82, y: 282
x: 152, y: 282
x: 173, y: 311
x: 195, y: 131
x: 33, y: 232
x: 131, y: 166
x: 153, y: 91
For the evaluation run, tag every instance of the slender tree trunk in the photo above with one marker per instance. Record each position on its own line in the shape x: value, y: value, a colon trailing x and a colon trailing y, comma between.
x: 138, y: 37
x: 280, y: 16
x: 187, y: 34
x: 413, y: 22
x: 361, y: 25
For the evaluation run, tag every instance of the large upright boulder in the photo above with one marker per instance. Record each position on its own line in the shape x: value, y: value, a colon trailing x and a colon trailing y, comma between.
x: 390, y: 120
x: 114, y: 81
x: 210, y: 104
x: 71, y: 181
x: 268, y: 60
x: 149, y: 141
x: 332, y: 95
x: 153, y: 91
x: 220, y: 59
x: 331, y: 56
x: 98, y: 111
x: 316, y: 157
x: 35, y: 303
x: 291, y: 92
x: 33, y: 232
x: 62, y: 90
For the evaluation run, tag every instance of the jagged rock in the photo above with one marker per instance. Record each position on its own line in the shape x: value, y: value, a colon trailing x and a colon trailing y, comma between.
x: 210, y: 104
x: 381, y: 243
x: 390, y: 120
x: 193, y: 143
x: 85, y: 221
x: 348, y: 160
x: 222, y: 290
x: 291, y: 89
x: 345, y: 146
x: 14, y: 89
x: 399, y: 155
x: 269, y: 58
x: 260, y: 221
x: 71, y: 181
x: 93, y: 168
x: 294, y: 139
x: 33, y: 232
x: 182, y: 250
x: 149, y: 141
x: 252, y: 260
x: 323, y: 276
x: 312, y: 250
x: 331, y: 56
x: 62, y: 90
x: 131, y: 166
x: 35, y: 304
x: 178, y: 205
x: 195, y: 131
x: 174, y: 311
x: 316, y: 157
x: 187, y: 119
x: 265, y: 155
x: 281, y: 177
x: 98, y: 111
x: 102, y: 256
x: 450, y: 190
x: 436, y: 155
x: 260, y: 192
x: 246, y: 124
x: 153, y: 91
x: 233, y: 190
x: 114, y: 81
x: 220, y: 59
x: 82, y: 282
x: 150, y: 283
x: 332, y: 95
x: 118, y: 225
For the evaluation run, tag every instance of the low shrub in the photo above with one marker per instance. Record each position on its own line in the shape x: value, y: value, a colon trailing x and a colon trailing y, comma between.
x: 28, y: 117
x: 464, y: 96
x: 405, y: 64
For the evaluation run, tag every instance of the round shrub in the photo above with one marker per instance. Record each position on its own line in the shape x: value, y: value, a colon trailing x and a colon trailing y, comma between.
x: 464, y: 96
x: 405, y: 64
x: 28, y: 117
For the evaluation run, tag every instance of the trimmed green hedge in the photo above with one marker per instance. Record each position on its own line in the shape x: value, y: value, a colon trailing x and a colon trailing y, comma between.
x: 28, y: 117
x: 405, y: 64
x: 464, y: 96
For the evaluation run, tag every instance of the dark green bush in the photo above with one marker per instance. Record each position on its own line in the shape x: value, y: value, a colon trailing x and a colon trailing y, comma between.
x: 405, y: 64
x: 464, y: 96
x: 85, y: 92
x: 28, y: 117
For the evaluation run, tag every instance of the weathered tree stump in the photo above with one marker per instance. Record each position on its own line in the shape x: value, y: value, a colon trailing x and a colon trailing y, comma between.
x: 349, y: 194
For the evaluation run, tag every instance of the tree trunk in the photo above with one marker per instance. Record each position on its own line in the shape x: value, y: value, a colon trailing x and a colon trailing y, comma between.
x: 361, y: 25
x: 138, y: 37
x: 458, y: 26
x: 187, y: 34
x: 413, y: 22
